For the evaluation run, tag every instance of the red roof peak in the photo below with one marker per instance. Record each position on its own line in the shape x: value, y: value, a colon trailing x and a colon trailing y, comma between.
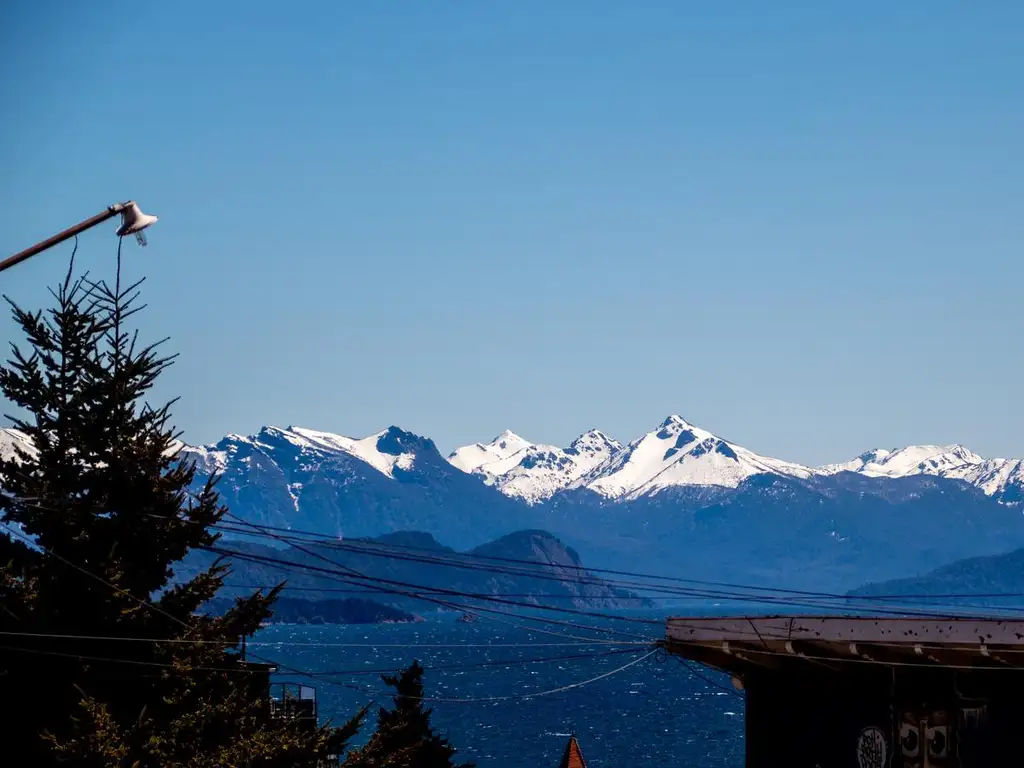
x: 573, y: 755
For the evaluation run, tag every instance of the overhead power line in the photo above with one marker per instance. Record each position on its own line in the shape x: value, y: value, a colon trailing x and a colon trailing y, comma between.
x: 536, y: 694
x: 382, y: 550
x: 732, y: 591
x: 400, y: 587
x: 361, y: 671
x: 294, y: 643
x: 856, y: 603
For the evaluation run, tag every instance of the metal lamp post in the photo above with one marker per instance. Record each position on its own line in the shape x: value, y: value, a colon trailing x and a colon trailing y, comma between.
x: 133, y: 222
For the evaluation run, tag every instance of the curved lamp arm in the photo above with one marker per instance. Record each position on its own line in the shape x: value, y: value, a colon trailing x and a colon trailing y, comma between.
x: 128, y: 207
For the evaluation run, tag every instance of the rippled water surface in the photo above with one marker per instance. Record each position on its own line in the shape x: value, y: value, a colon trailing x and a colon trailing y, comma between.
x: 655, y: 711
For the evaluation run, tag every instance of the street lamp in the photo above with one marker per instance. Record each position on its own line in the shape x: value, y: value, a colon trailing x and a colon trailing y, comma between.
x: 133, y: 221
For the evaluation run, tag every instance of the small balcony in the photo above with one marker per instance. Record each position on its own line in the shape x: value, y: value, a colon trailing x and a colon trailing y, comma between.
x: 293, y: 701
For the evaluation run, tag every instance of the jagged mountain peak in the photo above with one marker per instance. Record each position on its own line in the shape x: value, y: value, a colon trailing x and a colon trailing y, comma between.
x: 397, y: 441
x: 530, y: 471
x: 679, y: 453
x: 593, y: 440
x: 875, y: 455
x: 385, y: 451
x: 910, y: 460
x: 1001, y: 478
x: 674, y: 420
x: 676, y: 453
x: 469, y: 458
x: 509, y: 441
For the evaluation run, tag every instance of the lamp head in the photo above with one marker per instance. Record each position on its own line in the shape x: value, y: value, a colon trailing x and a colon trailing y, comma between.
x: 133, y: 221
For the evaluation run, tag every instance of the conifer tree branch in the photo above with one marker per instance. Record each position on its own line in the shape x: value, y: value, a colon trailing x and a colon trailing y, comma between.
x: 110, y: 511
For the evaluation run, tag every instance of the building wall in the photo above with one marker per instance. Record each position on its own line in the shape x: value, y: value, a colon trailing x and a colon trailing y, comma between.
x: 883, y: 717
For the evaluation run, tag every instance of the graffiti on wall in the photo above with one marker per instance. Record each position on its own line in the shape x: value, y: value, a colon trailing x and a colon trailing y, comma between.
x: 872, y: 749
x: 924, y: 738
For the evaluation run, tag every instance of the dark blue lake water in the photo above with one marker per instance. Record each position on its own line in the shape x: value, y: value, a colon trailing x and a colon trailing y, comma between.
x: 653, y: 711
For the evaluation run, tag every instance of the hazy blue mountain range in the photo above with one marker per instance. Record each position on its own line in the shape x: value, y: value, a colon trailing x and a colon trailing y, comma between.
x: 677, y: 501
x: 993, y: 580
x: 413, y: 563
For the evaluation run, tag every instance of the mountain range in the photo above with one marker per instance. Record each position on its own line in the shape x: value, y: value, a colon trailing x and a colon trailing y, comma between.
x: 316, y: 572
x: 679, y: 455
x: 678, y: 500
x: 992, y: 581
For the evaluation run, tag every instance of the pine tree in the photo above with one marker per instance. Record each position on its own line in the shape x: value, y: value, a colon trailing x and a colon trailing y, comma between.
x: 404, y: 737
x: 100, y: 510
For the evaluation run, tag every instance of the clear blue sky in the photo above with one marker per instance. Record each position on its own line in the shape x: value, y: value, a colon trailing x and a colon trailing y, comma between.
x: 797, y: 225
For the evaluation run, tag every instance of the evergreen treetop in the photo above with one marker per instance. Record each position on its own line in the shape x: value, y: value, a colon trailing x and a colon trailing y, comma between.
x: 404, y: 735
x: 100, y: 510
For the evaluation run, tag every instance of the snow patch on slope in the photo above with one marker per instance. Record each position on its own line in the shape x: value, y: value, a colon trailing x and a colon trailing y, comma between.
x: 310, y: 443
x: 873, y: 457
x: 912, y: 460
x: 471, y: 457
x: 680, y: 454
x: 367, y: 449
x: 675, y: 454
x: 538, y: 472
x: 1003, y: 478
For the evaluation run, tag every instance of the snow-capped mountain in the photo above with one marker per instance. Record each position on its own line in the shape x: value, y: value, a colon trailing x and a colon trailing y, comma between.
x: 675, y: 454
x: 912, y: 460
x: 1001, y: 478
x: 534, y: 472
x: 680, y: 454
x: 390, y: 481
x: 377, y: 450
x: 469, y: 458
x: 677, y: 500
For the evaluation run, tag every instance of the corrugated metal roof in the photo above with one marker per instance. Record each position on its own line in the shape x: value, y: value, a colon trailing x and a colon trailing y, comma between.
x: 734, y: 643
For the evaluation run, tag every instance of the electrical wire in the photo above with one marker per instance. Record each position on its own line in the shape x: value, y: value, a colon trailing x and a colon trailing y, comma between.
x: 331, y: 540
x: 891, y: 610
x: 438, y: 590
x: 116, y: 589
x: 405, y: 586
x: 755, y: 593
x: 329, y: 672
x: 291, y: 643
x: 100, y: 579
x: 489, y: 614
x: 133, y: 662
x: 491, y: 598
x: 564, y: 596
x: 696, y: 673
x: 722, y: 596
x: 535, y: 694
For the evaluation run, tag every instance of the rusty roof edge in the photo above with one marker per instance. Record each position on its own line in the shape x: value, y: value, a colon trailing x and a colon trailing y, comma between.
x: 833, y: 616
x: 845, y: 629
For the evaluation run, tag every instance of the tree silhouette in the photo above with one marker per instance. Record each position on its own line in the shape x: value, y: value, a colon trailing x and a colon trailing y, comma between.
x: 111, y: 665
x: 404, y: 736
